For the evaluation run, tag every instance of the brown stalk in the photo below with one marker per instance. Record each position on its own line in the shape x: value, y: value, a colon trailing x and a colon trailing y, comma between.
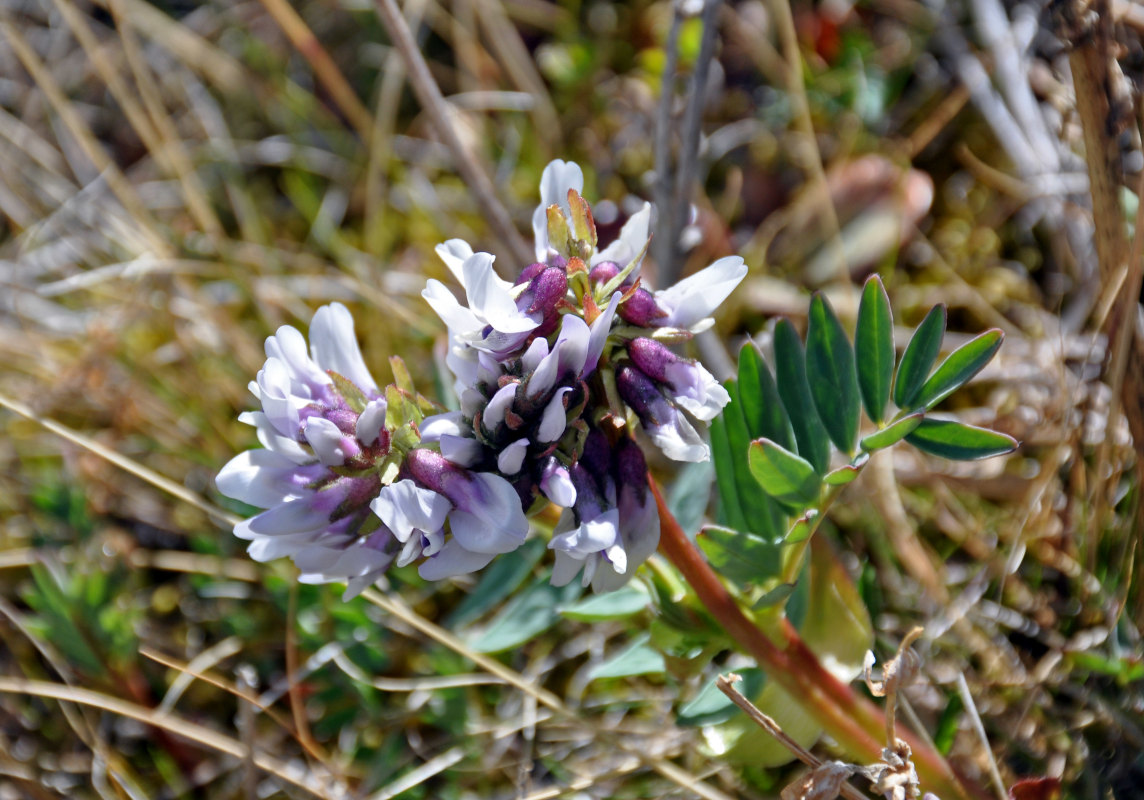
x: 435, y: 105
x: 850, y: 719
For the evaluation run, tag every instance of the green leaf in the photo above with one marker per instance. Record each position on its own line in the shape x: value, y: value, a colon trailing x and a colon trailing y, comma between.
x: 531, y: 612
x: 761, y: 513
x: 958, y: 367
x: 918, y: 357
x: 690, y: 493
x: 712, y: 707
x: 762, y: 408
x: 498, y: 581
x: 775, y: 596
x: 612, y: 605
x: 832, y: 375
x: 958, y: 441
x: 847, y: 472
x: 638, y: 659
x: 783, y: 474
x: 800, y: 531
x: 874, y: 348
x: 790, y: 372
x: 730, y: 510
x: 891, y: 434
x: 740, y: 556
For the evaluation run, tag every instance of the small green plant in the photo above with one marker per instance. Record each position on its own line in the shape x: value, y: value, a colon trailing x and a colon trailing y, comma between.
x: 790, y: 438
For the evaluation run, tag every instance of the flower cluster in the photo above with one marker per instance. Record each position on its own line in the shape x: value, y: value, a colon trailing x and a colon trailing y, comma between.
x: 553, y: 372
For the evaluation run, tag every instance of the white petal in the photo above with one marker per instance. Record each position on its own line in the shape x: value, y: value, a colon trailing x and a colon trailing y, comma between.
x: 271, y: 439
x: 490, y: 299
x: 492, y: 521
x: 555, y: 417
x: 289, y: 346
x: 599, y: 337
x: 499, y: 404
x: 510, y: 460
x: 462, y: 451
x: 371, y: 421
x: 558, y: 177
x: 434, y: 427
x: 591, y: 536
x: 679, y: 441
x: 335, y: 347
x: 534, y: 354
x: 574, y: 343
x: 696, y: 297
x: 264, y: 478
x: 557, y: 485
x: 453, y: 253
x: 301, y: 515
x: 326, y: 439
x: 456, y: 317
x: 696, y: 390
x: 565, y: 568
x: 631, y: 243
x: 405, y: 507
x: 453, y: 560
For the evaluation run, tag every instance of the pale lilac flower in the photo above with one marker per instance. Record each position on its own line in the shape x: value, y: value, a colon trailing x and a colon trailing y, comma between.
x: 690, y: 303
x: 555, y: 182
x: 600, y: 538
x: 492, y: 321
x: 690, y: 385
x: 309, y: 427
x: 667, y: 426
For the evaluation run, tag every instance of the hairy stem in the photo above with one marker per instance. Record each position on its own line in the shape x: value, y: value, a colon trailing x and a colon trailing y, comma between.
x: 847, y: 717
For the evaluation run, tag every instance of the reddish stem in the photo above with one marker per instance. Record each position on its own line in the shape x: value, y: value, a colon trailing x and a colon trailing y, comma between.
x: 849, y: 718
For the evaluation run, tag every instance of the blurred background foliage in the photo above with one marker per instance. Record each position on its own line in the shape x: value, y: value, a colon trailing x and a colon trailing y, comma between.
x: 178, y: 179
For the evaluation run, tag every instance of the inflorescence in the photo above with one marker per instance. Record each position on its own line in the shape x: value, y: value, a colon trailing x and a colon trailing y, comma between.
x: 552, y: 373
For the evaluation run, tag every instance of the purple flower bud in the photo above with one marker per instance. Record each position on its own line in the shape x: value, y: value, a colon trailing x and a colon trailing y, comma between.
x: 652, y: 358
x: 641, y: 309
x: 597, y: 455
x: 604, y: 272
x: 547, y: 289
x: 641, y: 393
x: 631, y: 466
x: 530, y: 272
x: 431, y: 469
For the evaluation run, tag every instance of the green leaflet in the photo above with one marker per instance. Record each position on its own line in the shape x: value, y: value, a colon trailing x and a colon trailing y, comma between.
x: 874, y: 348
x: 831, y: 374
x: 958, y: 441
x: 790, y: 373
x: 918, y: 357
x: 958, y: 367
x: 782, y: 474
x: 891, y: 434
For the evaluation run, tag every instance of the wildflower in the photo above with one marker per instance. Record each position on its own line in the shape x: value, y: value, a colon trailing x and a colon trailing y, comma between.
x: 322, y: 425
x: 347, y: 486
x: 602, y: 537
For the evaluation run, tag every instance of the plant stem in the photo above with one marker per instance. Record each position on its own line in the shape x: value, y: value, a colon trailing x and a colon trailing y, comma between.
x: 852, y: 720
x: 437, y: 107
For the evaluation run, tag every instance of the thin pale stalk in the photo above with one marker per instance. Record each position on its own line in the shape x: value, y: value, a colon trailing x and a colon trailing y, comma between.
x: 434, y: 103
x: 850, y: 719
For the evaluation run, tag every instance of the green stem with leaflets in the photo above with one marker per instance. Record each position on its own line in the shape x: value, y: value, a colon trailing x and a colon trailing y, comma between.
x: 846, y: 716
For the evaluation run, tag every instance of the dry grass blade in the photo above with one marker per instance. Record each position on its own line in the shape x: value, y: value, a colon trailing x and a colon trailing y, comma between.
x: 436, y: 106
x: 726, y: 684
x: 123, y: 462
x: 323, y: 787
x: 398, y: 608
x: 92, y: 149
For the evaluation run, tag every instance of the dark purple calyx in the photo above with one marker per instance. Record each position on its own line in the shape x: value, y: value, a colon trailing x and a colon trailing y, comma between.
x: 640, y: 309
x: 652, y: 358
x: 604, y: 272
x: 641, y: 394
